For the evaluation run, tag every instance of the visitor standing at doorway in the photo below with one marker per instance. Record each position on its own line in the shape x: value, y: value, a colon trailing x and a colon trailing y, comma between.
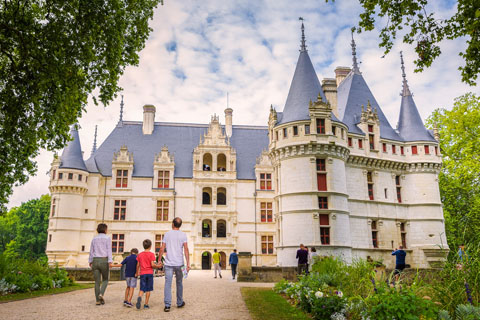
x: 175, y: 242
x: 302, y: 256
x: 100, y: 260
x: 216, y: 263
x: 233, y: 261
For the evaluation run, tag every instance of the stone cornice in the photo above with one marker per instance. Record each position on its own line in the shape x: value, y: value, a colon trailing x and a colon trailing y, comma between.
x: 68, y: 189
x: 361, y: 161
x: 310, y: 149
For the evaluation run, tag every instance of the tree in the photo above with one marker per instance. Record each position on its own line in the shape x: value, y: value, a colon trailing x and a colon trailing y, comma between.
x: 421, y: 27
x: 24, y: 229
x: 53, y: 55
x: 460, y: 176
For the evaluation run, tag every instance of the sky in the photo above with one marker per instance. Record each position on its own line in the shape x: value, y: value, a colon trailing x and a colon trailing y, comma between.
x: 199, y: 51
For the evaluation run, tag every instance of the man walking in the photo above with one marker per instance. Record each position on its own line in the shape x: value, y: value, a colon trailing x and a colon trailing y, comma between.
x: 216, y: 263
x: 233, y: 261
x: 175, y: 242
x: 302, y: 256
x: 400, y: 261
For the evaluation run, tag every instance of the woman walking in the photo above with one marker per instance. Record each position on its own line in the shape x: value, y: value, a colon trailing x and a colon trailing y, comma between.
x: 100, y: 261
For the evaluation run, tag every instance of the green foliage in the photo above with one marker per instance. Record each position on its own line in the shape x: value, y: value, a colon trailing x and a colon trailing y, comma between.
x: 25, y: 229
x: 463, y: 312
x: 53, y: 55
x: 419, y: 26
x: 459, y: 179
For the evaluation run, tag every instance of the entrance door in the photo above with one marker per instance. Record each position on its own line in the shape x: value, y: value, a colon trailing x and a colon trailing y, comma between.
x: 206, y: 261
x: 223, y: 260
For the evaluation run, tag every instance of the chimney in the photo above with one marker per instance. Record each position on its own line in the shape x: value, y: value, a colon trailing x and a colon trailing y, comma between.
x: 341, y: 73
x: 228, y: 122
x: 329, y: 87
x: 148, y: 118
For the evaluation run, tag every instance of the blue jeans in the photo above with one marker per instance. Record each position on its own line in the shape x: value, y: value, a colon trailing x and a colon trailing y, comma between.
x: 168, y: 285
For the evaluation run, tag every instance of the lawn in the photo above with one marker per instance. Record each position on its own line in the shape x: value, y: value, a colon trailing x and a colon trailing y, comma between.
x: 39, y: 293
x: 264, y: 303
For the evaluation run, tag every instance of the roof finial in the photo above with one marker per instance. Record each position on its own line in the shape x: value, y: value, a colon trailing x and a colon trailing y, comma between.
x: 354, y: 54
x: 303, y: 46
x: 121, y: 110
x: 405, y: 89
x: 95, y: 141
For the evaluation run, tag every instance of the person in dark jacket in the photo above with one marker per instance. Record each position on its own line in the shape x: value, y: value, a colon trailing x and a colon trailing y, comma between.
x: 400, y: 255
x: 302, y: 256
x: 233, y: 261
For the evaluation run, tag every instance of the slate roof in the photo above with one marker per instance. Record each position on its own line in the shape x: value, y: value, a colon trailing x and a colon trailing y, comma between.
x: 352, y: 93
x: 410, y: 124
x: 304, y: 87
x: 181, y: 139
x: 72, y: 157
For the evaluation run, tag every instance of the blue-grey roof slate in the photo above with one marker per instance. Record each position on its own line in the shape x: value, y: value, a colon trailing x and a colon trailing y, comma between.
x: 410, y: 124
x: 304, y: 88
x: 181, y: 139
x: 72, y: 157
x: 352, y: 93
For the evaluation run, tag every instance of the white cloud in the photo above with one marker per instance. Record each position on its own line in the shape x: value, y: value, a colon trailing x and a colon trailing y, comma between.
x: 249, y: 49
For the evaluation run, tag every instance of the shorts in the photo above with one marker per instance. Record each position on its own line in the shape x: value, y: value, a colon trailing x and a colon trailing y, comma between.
x: 399, y: 268
x: 131, y: 282
x: 146, y: 282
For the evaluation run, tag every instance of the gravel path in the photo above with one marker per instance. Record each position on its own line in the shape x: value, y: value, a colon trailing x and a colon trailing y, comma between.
x: 205, y: 298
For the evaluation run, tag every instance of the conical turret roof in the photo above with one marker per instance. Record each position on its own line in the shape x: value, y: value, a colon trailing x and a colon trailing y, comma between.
x: 410, y: 124
x: 72, y: 157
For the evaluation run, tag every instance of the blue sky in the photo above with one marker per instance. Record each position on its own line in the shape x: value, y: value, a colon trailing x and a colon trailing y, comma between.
x: 200, y: 50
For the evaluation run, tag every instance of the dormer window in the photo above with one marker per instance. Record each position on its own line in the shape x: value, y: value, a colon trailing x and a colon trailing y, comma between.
x: 334, y: 130
x: 221, y: 162
x: 122, y: 179
x: 70, y: 176
x: 414, y: 150
x: 427, y: 150
x: 321, y: 126
x: 284, y: 133
x: 370, y: 128
x: 394, y: 149
x: 265, y: 181
x: 60, y: 176
x: 295, y: 130
x: 371, y: 141
x: 207, y: 162
x: 163, y: 179
x: 307, y: 129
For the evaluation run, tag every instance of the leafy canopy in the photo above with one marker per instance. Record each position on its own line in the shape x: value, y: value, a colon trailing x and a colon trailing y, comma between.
x: 53, y: 54
x: 424, y: 29
x: 460, y: 176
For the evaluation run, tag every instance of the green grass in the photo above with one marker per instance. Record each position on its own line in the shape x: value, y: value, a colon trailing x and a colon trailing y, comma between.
x: 263, y: 303
x: 39, y: 293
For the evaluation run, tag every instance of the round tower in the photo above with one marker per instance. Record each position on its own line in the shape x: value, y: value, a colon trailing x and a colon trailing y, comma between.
x: 68, y: 185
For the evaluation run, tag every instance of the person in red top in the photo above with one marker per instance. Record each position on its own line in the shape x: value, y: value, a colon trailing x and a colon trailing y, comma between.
x: 146, y: 263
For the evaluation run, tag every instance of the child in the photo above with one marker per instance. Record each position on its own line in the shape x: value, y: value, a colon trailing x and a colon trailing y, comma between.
x: 130, y: 263
x: 146, y: 263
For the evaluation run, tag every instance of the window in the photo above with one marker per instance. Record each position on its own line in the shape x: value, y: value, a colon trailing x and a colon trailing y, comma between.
x: 49, y: 238
x: 371, y: 141
x: 321, y: 126
x: 267, y: 244
x: 374, y: 234
x: 323, y: 202
x: 403, y: 234
x: 86, y: 211
x: 158, y: 242
x: 386, y: 193
x: 221, y: 162
x: 60, y: 175
x: 122, y: 179
x: 436, y: 150
x: 266, y: 212
x: 334, y: 130
x: 349, y: 141
x: 343, y: 133
x: 207, y: 162
x: 83, y: 248
x: 53, y: 174
x: 370, y: 185
x: 324, y: 229
x: 207, y: 196
x: 54, y: 206
x: 70, y: 176
x: 399, y: 189
x: 414, y: 150
x: 276, y: 135
x: 207, y: 228
x: 265, y: 181
x: 118, y: 242
x: 321, y: 175
x: 360, y: 143
x: 394, y: 149
x: 79, y: 177
x: 221, y: 196
x: 427, y: 150
x: 370, y: 128
x: 120, y: 210
x: 402, y: 151
x: 162, y: 210
x: 384, y: 147
x: 307, y: 129
x: 295, y: 130
x: 163, y: 179
x: 221, y: 229
x: 284, y: 133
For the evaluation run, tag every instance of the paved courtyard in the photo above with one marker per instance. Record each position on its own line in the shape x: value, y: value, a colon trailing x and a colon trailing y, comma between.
x: 205, y: 298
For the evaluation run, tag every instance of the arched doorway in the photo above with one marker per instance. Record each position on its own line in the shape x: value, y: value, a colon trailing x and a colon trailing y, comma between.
x: 223, y: 260
x: 206, y: 261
